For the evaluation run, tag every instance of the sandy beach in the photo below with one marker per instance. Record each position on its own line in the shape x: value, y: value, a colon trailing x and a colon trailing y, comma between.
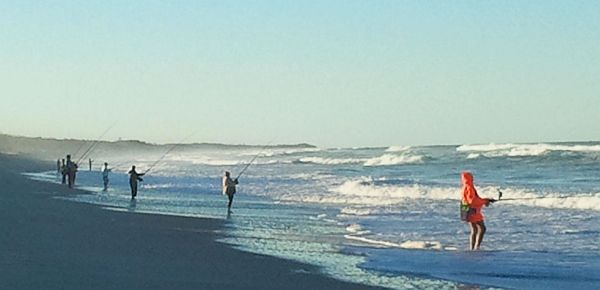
x: 50, y: 243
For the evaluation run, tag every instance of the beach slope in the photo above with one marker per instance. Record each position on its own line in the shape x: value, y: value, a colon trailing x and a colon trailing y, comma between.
x: 50, y: 243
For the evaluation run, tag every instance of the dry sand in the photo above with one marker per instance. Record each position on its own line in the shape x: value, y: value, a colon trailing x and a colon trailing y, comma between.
x: 50, y: 243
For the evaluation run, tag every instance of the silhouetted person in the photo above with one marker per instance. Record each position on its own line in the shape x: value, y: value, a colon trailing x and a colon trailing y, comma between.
x: 58, y: 167
x: 71, y: 171
x: 105, y: 172
x: 90, y: 164
x: 134, y: 177
x: 229, y: 188
x: 63, y: 171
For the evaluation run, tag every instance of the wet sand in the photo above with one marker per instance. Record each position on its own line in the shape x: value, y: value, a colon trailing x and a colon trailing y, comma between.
x: 50, y: 243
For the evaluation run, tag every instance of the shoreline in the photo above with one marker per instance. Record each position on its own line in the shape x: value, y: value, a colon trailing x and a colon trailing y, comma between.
x: 51, y: 243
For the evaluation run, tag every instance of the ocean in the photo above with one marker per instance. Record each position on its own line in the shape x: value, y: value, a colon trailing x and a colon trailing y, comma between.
x: 385, y: 216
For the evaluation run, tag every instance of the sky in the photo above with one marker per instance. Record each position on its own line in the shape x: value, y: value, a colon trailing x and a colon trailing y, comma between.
x: 330, y: 73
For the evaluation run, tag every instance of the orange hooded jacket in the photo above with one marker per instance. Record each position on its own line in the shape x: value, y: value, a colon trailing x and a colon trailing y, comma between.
x: 470, y: 197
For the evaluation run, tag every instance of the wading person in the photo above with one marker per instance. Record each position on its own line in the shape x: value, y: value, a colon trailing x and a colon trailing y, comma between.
x: 229, y: 188
x: 63, y: 171
x: 105, y: 172
x: 471, y: 205
x: 134, y: 177
x: 71, y: 171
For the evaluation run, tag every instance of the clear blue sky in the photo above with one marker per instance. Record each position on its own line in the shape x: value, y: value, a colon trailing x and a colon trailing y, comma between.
x: 331, y: 73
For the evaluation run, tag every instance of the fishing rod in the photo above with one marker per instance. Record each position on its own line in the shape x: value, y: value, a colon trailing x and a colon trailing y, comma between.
x: 525, y: 198
x: 95, y: 143
x: 254, y: 158
x: 167, y: 152
x: 80, y: 147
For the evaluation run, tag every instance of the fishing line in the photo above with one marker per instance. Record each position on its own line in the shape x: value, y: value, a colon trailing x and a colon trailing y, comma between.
x: 167, y: 152
x: 254, y: 158
x: 95, y: 143
x: 526, y: 198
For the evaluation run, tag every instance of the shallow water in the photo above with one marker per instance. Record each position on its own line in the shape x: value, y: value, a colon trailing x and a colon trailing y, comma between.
x: 389, y: 216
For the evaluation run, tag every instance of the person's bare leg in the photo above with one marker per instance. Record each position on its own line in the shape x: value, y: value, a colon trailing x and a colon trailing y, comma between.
x: 474, y: 233
x: 230, y: 196
x: 480, y: 233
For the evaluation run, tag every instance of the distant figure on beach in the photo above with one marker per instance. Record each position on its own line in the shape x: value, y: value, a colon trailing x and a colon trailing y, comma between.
x: 71, y: 171
x: 471, y: 205
x: 105, y: 172
x: 90, y: 164
x: 229, y: 188
x: 58, y: 166
x: 63, y: 171
x: 134, y: 177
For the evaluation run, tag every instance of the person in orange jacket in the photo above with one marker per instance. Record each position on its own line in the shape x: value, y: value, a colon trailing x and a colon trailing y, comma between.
x: 473, y: 203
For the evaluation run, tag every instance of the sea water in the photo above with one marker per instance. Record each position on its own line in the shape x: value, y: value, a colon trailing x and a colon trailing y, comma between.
x: 388, y: 216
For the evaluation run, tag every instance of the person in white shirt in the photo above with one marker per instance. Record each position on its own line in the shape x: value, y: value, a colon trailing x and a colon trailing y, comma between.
x: 229, y: 188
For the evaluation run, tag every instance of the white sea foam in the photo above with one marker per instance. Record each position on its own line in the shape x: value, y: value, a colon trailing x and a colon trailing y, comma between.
x: 359, y: 211
x: 363, y: 192
x: 330, y: 161
x: 392, y: 159
x: 473, y: 156
x: 280, y: 152
x: 365, y: 195
x: 366, y: 192
x: 386, y: 159
x: 373, y: 242
x: 397, y: 148
x: 432, y: 245
x: 357, y: 229
x: 421, y: 245
x: 518, y: 150
x: 553, y: 200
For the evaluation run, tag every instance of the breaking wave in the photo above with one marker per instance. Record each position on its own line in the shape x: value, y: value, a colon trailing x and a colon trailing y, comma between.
x: 329, y: 161
x: 275, y: 152
x: 522, y: 150
x: 360, y: 196
x: 397, y: 148
x: 391, y: 159
x: 383, y: 160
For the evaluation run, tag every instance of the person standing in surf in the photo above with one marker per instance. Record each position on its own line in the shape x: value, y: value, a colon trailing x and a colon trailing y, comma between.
x: 71, y: 171
x: 134, y: 177
x: 229, y: 188
x: 105, y: 172
x: 63, y: 171
x: 471, y: 205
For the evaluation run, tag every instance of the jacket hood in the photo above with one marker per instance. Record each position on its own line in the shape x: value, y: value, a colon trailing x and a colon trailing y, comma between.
x: 467, y: 178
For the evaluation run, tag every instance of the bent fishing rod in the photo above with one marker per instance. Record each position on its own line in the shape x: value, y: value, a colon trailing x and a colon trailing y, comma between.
x: 167, y: 152
x: 254, y: 158
x: 97, y: 140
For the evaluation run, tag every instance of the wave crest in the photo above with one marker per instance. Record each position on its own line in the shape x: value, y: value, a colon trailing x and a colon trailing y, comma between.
x: 366, y: 193
x: 397, y: 148
x: 329, y: 161
x: 391, y: 159
x: 522, y: 150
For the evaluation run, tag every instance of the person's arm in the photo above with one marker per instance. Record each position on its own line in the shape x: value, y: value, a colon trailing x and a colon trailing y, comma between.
x: 473, y: 199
